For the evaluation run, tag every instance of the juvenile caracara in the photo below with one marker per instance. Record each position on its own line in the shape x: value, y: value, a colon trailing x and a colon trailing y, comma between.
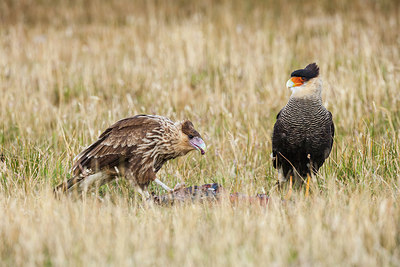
x: 303, y: 133
x: 135, y: 148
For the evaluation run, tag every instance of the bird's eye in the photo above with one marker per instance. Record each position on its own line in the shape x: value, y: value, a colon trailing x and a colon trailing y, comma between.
x: 190, y: 136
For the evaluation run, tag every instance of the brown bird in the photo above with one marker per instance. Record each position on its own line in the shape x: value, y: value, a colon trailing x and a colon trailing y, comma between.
x: 304, y: 130
x: 135, y: 148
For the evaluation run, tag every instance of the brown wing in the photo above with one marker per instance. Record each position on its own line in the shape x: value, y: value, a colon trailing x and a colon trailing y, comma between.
x: 116, y: 145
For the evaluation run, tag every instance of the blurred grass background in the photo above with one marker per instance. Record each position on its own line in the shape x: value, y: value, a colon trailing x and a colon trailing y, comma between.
x: 69, y: 69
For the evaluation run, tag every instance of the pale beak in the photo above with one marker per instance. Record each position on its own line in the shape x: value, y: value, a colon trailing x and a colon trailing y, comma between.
x: 290, y: 83
x: 199, y: 144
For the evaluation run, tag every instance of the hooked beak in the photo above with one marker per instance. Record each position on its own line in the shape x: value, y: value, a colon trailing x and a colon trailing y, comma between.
x: 294, y: 81
x: 198, y: 144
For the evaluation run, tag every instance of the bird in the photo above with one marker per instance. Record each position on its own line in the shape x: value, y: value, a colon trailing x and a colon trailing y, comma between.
x: 134, y: 148
x: 303, y: 133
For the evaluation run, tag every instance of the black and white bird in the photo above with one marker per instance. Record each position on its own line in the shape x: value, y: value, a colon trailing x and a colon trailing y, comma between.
x: 303, y: 133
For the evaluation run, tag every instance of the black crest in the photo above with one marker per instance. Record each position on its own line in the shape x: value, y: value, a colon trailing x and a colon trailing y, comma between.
x: 309, y: 72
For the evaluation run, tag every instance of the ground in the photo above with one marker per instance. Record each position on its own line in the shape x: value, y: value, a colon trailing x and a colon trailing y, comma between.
x: 69, y: 69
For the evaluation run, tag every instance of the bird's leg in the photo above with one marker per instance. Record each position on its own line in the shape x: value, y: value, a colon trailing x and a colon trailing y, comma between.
x: 289, y: 193
x: 308, y: 185
x: 163, y: 185
x: 177, y: 187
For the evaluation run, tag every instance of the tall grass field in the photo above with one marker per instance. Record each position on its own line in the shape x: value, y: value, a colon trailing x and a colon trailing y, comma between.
x: 69, y: 69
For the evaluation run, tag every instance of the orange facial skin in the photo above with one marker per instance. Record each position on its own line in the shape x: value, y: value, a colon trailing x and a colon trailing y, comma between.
x: 297, y: 81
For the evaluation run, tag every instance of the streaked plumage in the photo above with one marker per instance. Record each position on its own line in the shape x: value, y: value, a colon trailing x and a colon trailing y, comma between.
x: 303, y: 133
x: 135, y: 148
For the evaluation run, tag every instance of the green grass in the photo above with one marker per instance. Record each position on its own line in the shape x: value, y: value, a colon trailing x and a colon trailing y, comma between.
x: 70, y: 69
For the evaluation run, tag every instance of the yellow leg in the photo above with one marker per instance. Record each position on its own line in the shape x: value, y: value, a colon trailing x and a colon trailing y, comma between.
x: 308, y: 185
x: 289, y: 193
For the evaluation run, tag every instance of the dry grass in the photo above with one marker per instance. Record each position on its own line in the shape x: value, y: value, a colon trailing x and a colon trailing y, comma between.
x: 68, y: 69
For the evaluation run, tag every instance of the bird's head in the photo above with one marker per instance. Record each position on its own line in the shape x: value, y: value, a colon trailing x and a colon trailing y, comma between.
x: 190, y: 138
x: 305, y: 82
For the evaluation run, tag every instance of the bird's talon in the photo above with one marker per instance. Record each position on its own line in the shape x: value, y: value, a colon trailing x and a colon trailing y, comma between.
x: 178, y: 187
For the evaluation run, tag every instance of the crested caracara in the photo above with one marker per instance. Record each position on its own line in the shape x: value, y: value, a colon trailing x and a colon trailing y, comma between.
x: 135, y: 148
x: 303, y: 133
